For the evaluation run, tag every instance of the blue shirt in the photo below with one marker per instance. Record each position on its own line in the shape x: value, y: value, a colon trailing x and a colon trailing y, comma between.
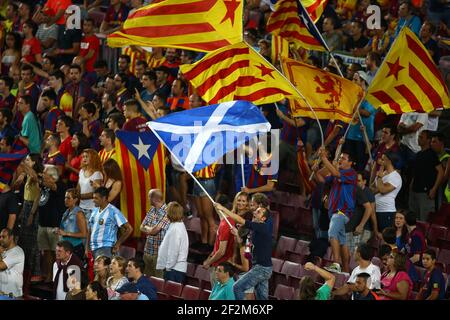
x: 146, y: 287
x: 355, y: 133
x: 434, y: 281
x: 343, y: 192
x: 413, y: 23
x: 69, y: 224
x: 223, y: 291
x: 104, y: 226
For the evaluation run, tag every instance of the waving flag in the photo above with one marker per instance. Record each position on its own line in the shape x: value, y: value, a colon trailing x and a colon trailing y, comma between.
x: 280, y: 48
x: 10, y: 161
x: 199, y: 137
x: 408, y: 80
x: 331, y: 96
x: 291, y: 21
x: 199, y: 25
x: 141, y: 159
x: 237, y: 72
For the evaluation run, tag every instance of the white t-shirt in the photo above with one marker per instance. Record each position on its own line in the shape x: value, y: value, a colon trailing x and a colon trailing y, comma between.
x: 386, y: 202
x: 85, y: 187
x: 11, y: 279
x: 410, y: 139
x: 375, y: 275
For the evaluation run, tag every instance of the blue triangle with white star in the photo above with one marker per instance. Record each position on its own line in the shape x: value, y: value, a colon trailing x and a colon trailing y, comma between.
x: 142, y: 145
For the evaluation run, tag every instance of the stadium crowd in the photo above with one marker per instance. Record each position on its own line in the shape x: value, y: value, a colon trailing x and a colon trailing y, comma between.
x: 373, y: 218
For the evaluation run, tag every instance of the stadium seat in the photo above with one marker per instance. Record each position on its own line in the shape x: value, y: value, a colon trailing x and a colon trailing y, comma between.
x: 203, y: 278
x: 283, y: 292
x: 424, y: 226
x: 277, y: 264
x: 288, y: 215
x: 190, y: 293
x: 341, y: 279
x: 444, y: 256
x: 295, y: 257
x: 436, y: 232
x: 292, y: 271
x: 276, y: 224
x: 158, y: 283
x: 204, y: 294
x: 173, y: 289
x: 127, y: 252
x: 191, y: 267
x: 193, y: 224
x: 284, y: 244
x: 443, y: 243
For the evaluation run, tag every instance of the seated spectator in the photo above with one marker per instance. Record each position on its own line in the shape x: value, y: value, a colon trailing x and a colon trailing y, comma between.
x: 433, y: 285
x: 95, y: 291
x: 11, y: 264
x: 362, y: 291
x: 307, y: 289
x: 101, y: 269
x: 395, y: 281
x: 223, y: 285
x: 416, y: 243
x: 384, y: 253
x: 121, y: 83
x: 162, y: 80
x: 402, y: 233
x: 116, y: 121
x: 130, y: 291
x: 117, y: 279
x: 79, y: 89
x: 135, y: 267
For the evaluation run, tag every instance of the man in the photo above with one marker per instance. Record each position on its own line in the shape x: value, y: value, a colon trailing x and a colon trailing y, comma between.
x: 426, y: 32
x: 107, y: 140
x: 172, y: 63
x: 63, y: 126
x: 47, y: 33
x: 31, y: 47
x: 223, y: 286
x: 67, y: 264
x: 373, y: 61
x: 122, y: 93
x: 63, y: 98
x: 362, y: 291
x: 12, y: 261
x: 330, y: 35
x: 357, y: 40
x: 92, y: 127
x: 116, y: 121
x: 187, y: 56
x: 258, y: 276
x: 177, y: 100
x: 89, y: 46
x: 7, y: 100
x: 162, y: 80
x: 363, y: 256
x: 123, y: 65
x: 116, y: 14
x: 155, y: 226
x: 53, y: 155
x: 135, y: 121
x: 79, y: 89
x: 30, y: 134
x: 433, y: 285
x: 351, y: 69
x: 195, y: 101
x: 130, y: 291
x: 139, y: 70
x: 438, y: 146
x: 48, y: 103
x: 8, y: 201
x: 104, y: 223
x: 6, y: 129
x: 416, y: 244
x: 427, y: 176
x: 12, y: 22
x: 27, y: 86
x: 388, y: 143
x: 143, y: 284
x: 148, y: 81
x: 68, y: 44
x: 341, y: 203
x: 407, y: 19
x: 101, y: 72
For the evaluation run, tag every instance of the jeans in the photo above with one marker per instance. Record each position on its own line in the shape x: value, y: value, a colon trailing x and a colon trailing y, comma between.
x: 174, y: 275
x: 104, y: 251
x: 258, y: 276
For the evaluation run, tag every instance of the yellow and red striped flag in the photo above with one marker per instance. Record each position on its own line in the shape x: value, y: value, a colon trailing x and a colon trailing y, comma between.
x: 134, y: 55
x: 141, y: 159
x: 280, y: 48
x: 199, y: 25
x: 331, y: 96
x: 408, y: 79
x: 237, y: 72
x: 292, y: 21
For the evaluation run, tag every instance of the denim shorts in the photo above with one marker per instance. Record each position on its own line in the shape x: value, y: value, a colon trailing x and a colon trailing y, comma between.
x: 337, y: 227
x: 208, y: 184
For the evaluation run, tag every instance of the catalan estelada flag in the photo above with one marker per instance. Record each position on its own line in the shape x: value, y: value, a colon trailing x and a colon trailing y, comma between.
x: 280, y: 48
x: 331, y: 96
x: 315, y: 8
x: 291, y: 21
x: 237, y: 72
x: 199, y: 25
x: 141, y: 159
x: 408, y: 80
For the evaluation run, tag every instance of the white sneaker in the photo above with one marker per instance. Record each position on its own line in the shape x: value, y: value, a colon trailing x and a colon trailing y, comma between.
x: 334, y: 267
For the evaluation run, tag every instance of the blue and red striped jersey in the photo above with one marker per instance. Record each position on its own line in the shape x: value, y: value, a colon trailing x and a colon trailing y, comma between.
x: 343, y: 192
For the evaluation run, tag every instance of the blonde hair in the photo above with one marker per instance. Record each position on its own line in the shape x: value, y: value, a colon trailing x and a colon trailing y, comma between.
x: 239, y: 194
x: 122, y: 262
x: 175, y: 212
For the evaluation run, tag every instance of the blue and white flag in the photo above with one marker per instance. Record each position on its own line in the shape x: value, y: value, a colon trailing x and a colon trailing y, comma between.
x: 199, y: 137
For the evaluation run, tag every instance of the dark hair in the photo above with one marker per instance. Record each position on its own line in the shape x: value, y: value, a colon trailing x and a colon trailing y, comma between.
x: 110, y: 134
x: 404, y: 235
x: 427, y: 133
x: 100, y: 64
x: 102, y: 192
x: 89, y: 20
x: 8, y: 231
x: 32, y: 25
x: 138, y: 263
x: 389, y: 235
x: 384, y: 250
x: 375, y: 57
x: 75, y: 194
x: 52, y: 60
x: 393, y: 157
x: 17, y: 40
x: 365, y: 251
x: 66, y: 245
x: 124, y: 78
x: 7, y: 114
x: 227, y: 268
x: 438, y: 135
x: 150, y: 74
x: 133, y: 104
x: 365, y: 175
x: 89, y: 107
x: 57, y: 138
x: 38, y: 166
x: 111, y: 98
x: 360, y: 25
x: 83, y: 142
x: 58, y: 74
x: 75, y: 66
x: 9, y: 82
x: 392, y: 128
x: 50, y: 94
x: 68, y: 121
x: 126, y: 57
x: 28, y: 100
x: 363, y: 275
x: 400, y: 262
x: 332, y: 20
x: 190, y: 54
x: 9, y: 140
x: 112, y: 170
x: 142, y: 63
x: 27, y: 67
x: 411, y: 218
x: 431, y: 253
x: 119, y: 118
x: 101, y: 292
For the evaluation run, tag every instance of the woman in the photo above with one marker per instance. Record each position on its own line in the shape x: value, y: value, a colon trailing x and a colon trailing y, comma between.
x: 307, y: 289
x: 11, y: 55
x: 73, y: 226
x: 91, y: 172
x: 387, y: 185
x: 395, y: 282
x: 79, y: 143
x: 401, y: 231
x: 101, y: 269
x: 32, y: 170
x: 117, y: 278
x: 173, y: 251
x: 241, y: 205
x: 95, y: 291
x: 113, y: 181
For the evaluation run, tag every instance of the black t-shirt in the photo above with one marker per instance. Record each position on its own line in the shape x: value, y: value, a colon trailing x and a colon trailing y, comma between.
x: 66, y: 39
x: 262, y: 242
x: 358, y: 44
x: 8, y: 206
x: 51, y: 206
x: 358, y: 213
x: 359, y: 296
x: 425, y: 172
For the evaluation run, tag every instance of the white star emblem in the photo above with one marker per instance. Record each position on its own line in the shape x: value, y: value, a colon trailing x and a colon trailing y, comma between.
x: 142, y: 149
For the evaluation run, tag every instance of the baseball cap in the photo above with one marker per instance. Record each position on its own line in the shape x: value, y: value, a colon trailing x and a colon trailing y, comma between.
x: 129, y: 287
x: 363, y: 75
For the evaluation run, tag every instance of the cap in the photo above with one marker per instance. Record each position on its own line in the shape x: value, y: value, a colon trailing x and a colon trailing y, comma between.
x: 129, y: 287
x: 363, y: 75
x: 163, y: 69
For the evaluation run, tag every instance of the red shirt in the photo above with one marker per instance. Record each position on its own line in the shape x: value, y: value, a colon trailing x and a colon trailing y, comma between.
x: 136, y: 124
x: 56, y: 5
x: 224, y: 234
x: 30, y: 48
x: 90, y: 43
x: 66, y: 147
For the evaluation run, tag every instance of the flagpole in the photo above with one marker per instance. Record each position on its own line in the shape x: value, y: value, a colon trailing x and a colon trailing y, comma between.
x: 242, y: 168
x: 190, y: 173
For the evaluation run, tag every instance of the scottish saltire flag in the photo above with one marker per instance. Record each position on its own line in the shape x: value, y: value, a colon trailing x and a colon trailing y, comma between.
x: 199, y: 137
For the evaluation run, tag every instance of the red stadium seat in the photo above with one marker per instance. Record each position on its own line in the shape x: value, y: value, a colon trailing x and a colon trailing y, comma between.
x: 173, y: 289
x: 204, y: 280
x: 436, y: 232
x: 341, y: 279
x: 158, y: 283
x: 277, y: 264
x: 191, y: 267
x: 127, y: 252
x: 424, y: 226
x: 284, y: 244
x: 283, y: 292
x: 276, y: 224
x: 444, y: 256
x: 204, y: 294
x: 190, y: 293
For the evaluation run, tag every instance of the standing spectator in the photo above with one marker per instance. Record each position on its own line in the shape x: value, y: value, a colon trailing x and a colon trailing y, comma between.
x: 92, y: 127
x: 162, y: 80
x: 155, y: 226
x: 101, y: 269
x: 416, y: 243
x: 6, y: 130
x: 341, y: 204
x: 121, y: 88
x: 113, y: 181
x: 427, y: 177
x: 68, y: 44
x: 12, y: 52
x: 7, y: 100
x: 79, y: 143
x: 261, y: 271
x: 396, y: 283
x: 66, y: 264
x: 116, y: 121
x: 53, y: 156
x: 92, y: 171
x: 373, y: 61
x: 108, y: 107
x: 104, y: 224
x: 242, y: 257
x: 73, y: 226
x: 107, y: 141
x: 12, y: 261
x: 173, y: 250
x: 387, y: 186
x: 178, y: 101
x: 134, y: 272
x: 47, y: 33
x: 123, y: 65
x: 356, y: 41
x: 433, y: 286
x: 89, y: 46
x: 362, y: 291
x: 31, y: 48
x: 8, y: 206
x: 407, y: 18
x: 426, y: 32
x: 330, y: 35
x: 223, y: 285
x: 48, y: 99
x: 57, y: 8
x: 117, y: 279
x: 135, y: 121
x: 63, y: 98
x: 116, y: 14
x: 438, y: 146
x: 24, y: 14
x: 63, y: 126
x: 12, y: 18
x: 27, y: 87
x: 79, y: 89
x: 388, y: 143
x: 410, y: 126
x: 307, y: 289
